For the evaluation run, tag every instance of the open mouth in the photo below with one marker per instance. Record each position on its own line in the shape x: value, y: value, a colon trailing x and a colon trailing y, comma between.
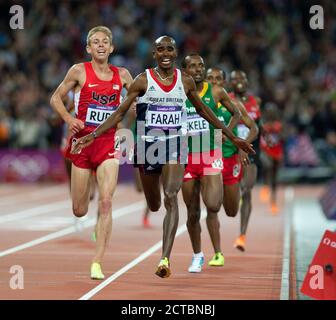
x: 166, y: 61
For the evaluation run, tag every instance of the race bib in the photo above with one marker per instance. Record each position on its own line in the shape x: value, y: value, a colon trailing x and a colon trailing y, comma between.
x: 162, y: 117
x: 98, y: 114
x: 243, y: 131
x: 236, y: 170
x: 218, y: 164
x: 197, y: 125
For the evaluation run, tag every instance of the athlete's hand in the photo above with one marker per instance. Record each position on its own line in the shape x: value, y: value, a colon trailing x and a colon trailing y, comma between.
x: 243, y: 145
x: 75, y: 125
x: 244, y: 159
x: 79, y: 144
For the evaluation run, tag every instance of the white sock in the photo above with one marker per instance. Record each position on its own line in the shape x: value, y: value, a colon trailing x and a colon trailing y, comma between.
x: 198, y: 255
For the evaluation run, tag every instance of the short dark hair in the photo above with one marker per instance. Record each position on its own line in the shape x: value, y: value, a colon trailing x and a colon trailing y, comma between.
x: 220, y: 70
x: 184, y: 61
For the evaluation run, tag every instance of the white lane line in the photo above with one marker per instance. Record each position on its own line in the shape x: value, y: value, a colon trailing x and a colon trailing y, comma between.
x: 28, y: 195
x: 285, y: 274
x: 134, y: 262
x: 61, y: 233
x: 47, y: 208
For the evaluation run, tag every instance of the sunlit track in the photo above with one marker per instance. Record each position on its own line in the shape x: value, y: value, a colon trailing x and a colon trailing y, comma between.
x: 52, y: 273
x: 35, y: 211
x: 61, y: 233
x: 28, y: 200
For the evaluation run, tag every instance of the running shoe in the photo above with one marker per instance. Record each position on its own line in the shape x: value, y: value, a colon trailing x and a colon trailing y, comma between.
x: 264, y: 194
x: 196, y: 264
x: 163, y: 268
x: 217, y: 260
x: 93, y: 236
x: 274, y: 208
x: 145, y: 222
x: 240, y: 243
x: 96, y: 271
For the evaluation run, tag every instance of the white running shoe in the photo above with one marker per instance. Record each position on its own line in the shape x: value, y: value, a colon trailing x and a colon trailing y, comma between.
x: 196, y: 264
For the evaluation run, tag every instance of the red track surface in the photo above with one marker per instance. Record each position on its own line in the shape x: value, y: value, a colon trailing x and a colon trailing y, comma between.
x: 59, y: 268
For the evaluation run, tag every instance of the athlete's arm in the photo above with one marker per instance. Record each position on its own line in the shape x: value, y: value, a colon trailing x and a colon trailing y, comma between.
x: 207, y: 114
x: 71, y: 80
x: 125, y: 77
x: 253, y: 132
x: 127, y: 80
x: 249, y: 122
x: 223, y: 97
x: 137, y: 88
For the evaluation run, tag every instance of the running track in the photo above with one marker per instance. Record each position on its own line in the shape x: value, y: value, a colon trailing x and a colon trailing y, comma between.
x: 38, y: 233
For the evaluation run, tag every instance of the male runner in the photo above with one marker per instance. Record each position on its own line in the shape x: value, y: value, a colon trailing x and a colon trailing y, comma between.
x: 203, y: 171
x: 239, y: 84
x: 97, y: 86
x: 232, y: 159
x: 161, y: 131
x: 272, y: 147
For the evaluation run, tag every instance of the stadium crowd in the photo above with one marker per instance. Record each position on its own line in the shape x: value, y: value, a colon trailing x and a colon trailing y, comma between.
x: 288, y: 63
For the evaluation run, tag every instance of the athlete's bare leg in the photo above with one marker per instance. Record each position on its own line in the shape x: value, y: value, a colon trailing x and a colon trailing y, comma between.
x: 212, y: 195
x: 231, y: 198
x: 68, y: 164
x: 139, y: 188
x: 191, y: 197
x: 107, y: 177
x: 93, y: 187
x: 172, y: 178
x: 247, y: 183
x: 80, y: 190
x: 273, y: 179
x: 151, y: 188
x: 137, y: 180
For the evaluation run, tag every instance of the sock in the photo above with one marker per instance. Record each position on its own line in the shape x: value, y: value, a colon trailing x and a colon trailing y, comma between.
x: 198, y: 255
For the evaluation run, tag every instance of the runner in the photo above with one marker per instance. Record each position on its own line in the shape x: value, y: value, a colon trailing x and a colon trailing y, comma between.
x: 202, y: 175
x: 161, y: 148
x: 233, y: 161
x: 272, y: 147
x: 97, y: 86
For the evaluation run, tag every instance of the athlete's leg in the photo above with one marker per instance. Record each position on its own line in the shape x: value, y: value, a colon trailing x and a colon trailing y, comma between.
x: 231, y: 198
x: 80, y: 190
x: 172, y: 178
x: 68, y: 165
x: 139, y: 188
x: 92, y: 186
x: 151, y: 188
x: 107, y: 177
x: 265, y: 175
x: 191, y: 197
x: 273, y: 179
x: 247, y: 183
x: 137, y: 180
x: 274, y: 184
x: 212, y: 195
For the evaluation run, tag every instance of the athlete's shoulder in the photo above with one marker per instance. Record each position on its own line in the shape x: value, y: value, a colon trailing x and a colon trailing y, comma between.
x: 254, y: 99
x: 141, y: 77
x: 187, y: 80
x: 123, y: 72
x: 215, y: 88
x: 125, y: 77
x: 140, y: 82
x: 77, y: 68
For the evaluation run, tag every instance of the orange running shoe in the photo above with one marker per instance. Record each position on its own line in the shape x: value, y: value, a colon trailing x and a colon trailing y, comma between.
x: 145, y: 222
x: 264, y: 194
x: 240, y: 243
x: 274, y: 208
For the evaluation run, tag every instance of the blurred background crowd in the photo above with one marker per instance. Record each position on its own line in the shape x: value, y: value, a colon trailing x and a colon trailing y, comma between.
x: 287, y: 63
